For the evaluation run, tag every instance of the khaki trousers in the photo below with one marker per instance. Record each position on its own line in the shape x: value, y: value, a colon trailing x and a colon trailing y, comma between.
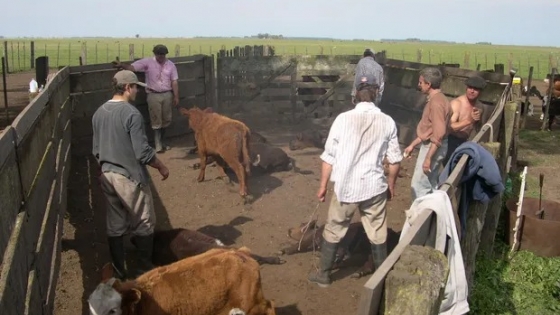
x: 130, y: 206
x: 373, y: 216
x: 160, y: 106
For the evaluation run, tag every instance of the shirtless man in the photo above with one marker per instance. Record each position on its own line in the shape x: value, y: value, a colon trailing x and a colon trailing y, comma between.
x: 466, y: 112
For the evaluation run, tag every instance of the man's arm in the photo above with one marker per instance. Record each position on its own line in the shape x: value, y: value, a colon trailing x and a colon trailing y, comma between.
x: 439, y: 128
x: 457, y: 125
x: 394, y: 157
x: 175, y: 85
x: 143, y: 152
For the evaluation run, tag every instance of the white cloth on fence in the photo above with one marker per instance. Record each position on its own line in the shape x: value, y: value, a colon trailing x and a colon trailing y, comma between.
x: 456, y: 290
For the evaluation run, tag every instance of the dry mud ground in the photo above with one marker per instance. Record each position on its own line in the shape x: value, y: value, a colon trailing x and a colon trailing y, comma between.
x: 282, y: 200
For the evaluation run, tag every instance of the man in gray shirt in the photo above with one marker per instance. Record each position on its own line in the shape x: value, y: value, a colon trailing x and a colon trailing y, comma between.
x: 368, y: 66
x: 121, y: 147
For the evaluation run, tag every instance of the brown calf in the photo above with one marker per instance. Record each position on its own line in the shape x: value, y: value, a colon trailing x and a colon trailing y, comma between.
x: 176, y: 244
x: 218, y: 282
x: 311, y: 237
x: 224, y: 138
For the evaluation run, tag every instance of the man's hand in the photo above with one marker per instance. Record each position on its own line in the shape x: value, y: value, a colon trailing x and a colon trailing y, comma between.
x: 475, y: 114
x: 391, y: 192
x: 164, y: 172
x: 176, y: 101
x: 116, y: 64
x: 322, y: 193
x: 426, y: 165
x: 407, y: 153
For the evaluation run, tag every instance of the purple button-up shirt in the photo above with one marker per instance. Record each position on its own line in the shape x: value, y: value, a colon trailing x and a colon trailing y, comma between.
x: 158, y: 76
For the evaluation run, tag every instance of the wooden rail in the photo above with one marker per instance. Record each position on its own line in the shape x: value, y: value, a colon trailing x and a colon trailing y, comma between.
x: 34, y: 168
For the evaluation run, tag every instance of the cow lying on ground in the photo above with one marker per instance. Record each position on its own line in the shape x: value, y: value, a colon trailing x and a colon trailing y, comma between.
x: 218, y: 282
x: 176, y: 244
x: 309, y: 139
x: 354, y: 241
x: 224, y: 138
x: 268, y: 158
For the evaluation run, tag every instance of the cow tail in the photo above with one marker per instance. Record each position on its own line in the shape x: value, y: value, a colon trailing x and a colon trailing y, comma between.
x: 245, y: 152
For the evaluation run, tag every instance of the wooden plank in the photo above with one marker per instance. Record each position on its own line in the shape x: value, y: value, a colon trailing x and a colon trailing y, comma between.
x: 28, y: 116
x: 11, y: 194
x: 33, y: 145
x: 109, y: 66
x: 399, y: 96
x: 373, y: 288
x: 85, y: 82
x: 209, y: 80
x: 192, y: 88
x: 13, y: 279
x: 33, y: 300
x: 191, y: 70
x: 323, y: 72
x: 48, y: 308
x: 45, y: 243
x: 86, y: 104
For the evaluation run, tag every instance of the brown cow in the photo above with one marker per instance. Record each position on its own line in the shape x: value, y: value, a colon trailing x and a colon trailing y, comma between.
x: 176, y: 244
x: 218, y: 282
x: 311, y: 237
x: 224, y: 138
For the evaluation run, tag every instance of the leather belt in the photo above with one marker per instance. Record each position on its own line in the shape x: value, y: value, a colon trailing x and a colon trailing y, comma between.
x: 159, y: 92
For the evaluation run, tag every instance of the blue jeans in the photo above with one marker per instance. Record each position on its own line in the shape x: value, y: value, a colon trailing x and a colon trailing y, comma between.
x: 422, y: 184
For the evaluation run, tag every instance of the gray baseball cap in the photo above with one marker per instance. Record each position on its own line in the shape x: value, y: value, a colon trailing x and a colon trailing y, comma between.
x: 127, y: 77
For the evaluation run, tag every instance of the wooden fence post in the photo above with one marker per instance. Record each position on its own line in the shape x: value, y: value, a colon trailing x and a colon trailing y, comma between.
x: 476, y: 217
x: 524, y: 114
x: 32, y: 54
x: 131, y: 52
x: 6, y: 56
x: 488, y: 235
x: 293, y: 88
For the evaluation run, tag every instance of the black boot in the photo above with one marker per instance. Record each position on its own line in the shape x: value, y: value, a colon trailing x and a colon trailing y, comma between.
x: 379, y: 253
x: 144, y: 247
x: 116, y: 249
x: 322, y: 276
x: 163, y: 142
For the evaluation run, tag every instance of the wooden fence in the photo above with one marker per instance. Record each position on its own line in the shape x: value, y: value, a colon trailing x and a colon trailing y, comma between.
x: 320, y: 86
x: 91, y: 86
x: 34, y: 169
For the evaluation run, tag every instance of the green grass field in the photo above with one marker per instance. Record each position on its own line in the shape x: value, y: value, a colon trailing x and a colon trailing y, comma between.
x: 66, y: 51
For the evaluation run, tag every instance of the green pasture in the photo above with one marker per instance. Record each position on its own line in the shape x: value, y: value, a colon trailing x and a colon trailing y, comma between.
x: 66, y: 51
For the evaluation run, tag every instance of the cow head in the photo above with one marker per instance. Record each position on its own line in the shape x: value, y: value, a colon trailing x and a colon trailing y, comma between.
x: 111, y: 295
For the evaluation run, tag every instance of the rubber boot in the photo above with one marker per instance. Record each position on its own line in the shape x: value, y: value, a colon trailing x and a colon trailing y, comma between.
x: 116, y: 249
x: 163, y: 143
x: 144, y: 248
x: 322, y: 276
x: 157, y: 140
x: 379, y: 253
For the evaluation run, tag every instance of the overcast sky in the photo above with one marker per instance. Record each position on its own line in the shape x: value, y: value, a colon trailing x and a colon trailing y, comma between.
x: 498, y: 21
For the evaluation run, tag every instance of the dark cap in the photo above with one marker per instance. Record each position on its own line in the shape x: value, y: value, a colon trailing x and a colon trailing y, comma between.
x: 366, y: 80
x: 160, y: 50
x: 476, y: 82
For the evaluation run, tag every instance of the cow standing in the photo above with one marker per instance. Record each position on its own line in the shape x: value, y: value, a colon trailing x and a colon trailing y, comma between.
x: 224, y: 138
x: 217, y: 282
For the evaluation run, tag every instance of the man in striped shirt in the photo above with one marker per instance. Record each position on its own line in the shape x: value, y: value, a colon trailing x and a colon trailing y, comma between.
x: 368, y: 66
x: 358, y: 141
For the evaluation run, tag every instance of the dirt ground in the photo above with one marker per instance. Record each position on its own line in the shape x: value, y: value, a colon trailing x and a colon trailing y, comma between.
x: 282, y: 200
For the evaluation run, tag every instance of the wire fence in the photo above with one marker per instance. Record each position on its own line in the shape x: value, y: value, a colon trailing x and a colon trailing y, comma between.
x: 20, y: 55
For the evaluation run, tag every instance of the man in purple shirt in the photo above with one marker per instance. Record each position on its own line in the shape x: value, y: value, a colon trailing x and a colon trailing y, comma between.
x: 162, y: 90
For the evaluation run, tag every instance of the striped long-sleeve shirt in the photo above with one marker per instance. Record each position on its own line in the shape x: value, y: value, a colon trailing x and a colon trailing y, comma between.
x: 358, y: 141
x: 368, y: 65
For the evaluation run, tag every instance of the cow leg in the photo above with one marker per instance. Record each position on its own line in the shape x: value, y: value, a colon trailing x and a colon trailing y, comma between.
x: 222, y: 169
x: 203, y: 156
x: 239, y: 170
x: 270, y: 260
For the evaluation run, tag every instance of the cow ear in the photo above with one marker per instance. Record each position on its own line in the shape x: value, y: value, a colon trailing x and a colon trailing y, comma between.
x: 106, y: 272
x: 132, y: 296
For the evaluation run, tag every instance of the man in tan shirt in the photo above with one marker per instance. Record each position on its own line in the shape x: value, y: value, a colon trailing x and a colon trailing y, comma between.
x: 432, y: 131
x: 466, y: 111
